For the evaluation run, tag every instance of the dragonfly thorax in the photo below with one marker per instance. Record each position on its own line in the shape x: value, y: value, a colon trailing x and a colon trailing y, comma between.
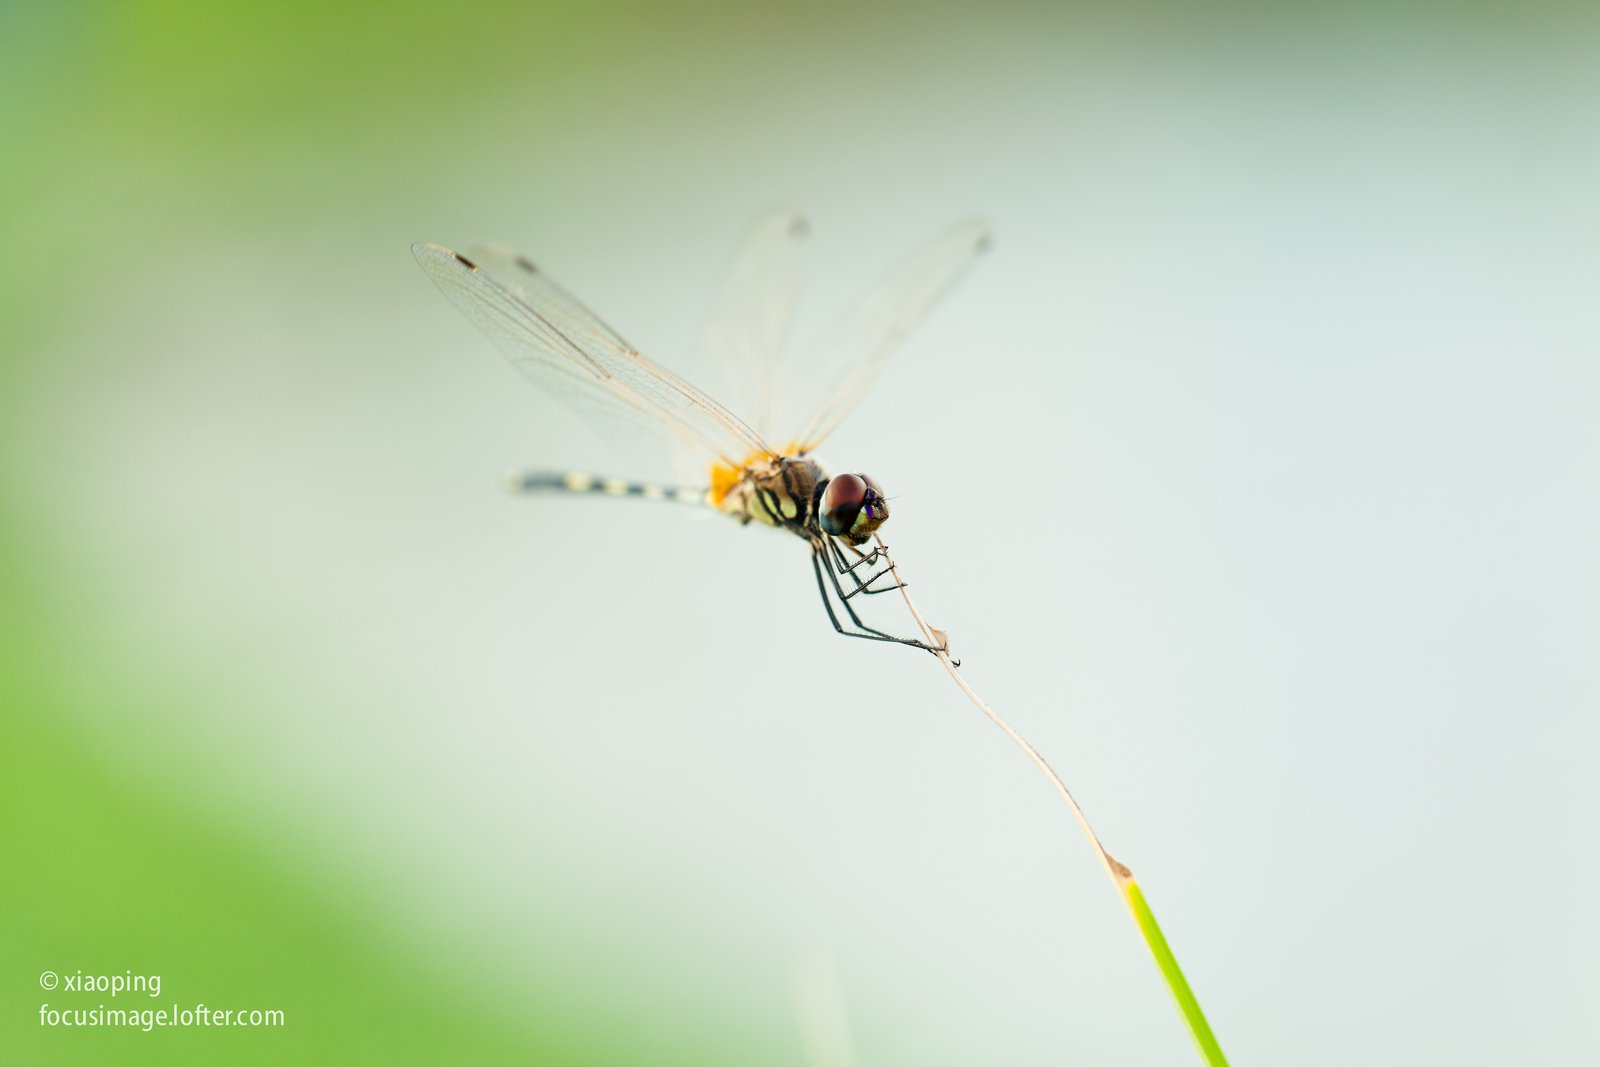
x: 778, y: 491
x: 796, y: 493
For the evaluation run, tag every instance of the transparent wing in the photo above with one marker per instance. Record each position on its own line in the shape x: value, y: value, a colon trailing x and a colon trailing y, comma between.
x: 872, y: 331
x: 742, y: 339
x: 563, y: 347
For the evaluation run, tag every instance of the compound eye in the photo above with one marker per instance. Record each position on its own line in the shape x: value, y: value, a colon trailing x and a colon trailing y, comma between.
x: 842, y: 501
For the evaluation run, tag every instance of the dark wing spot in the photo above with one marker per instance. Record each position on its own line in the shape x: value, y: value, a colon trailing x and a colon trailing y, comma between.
x: 464, y: 261
x: 526, y: 264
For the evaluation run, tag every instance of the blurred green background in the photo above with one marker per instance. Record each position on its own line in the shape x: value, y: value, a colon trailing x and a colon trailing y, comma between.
x: 1252, y: 473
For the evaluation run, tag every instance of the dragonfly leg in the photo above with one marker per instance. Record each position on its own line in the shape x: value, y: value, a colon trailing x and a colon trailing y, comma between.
x: 819, y: 564
x: 863, y: 585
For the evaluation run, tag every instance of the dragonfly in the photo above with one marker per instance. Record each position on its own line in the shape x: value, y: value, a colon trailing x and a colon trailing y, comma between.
x: 554, y: 340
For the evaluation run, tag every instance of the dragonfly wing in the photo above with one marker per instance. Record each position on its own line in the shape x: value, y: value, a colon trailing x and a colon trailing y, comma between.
x: 742, y: 339
x: 871, y: 333
x: 559, y: 344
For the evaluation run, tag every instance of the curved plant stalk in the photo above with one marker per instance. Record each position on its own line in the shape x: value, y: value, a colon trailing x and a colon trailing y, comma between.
x: 1188, y: 1006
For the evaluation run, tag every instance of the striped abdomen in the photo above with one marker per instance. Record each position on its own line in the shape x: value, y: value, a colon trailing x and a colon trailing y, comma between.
x: 578, y: 482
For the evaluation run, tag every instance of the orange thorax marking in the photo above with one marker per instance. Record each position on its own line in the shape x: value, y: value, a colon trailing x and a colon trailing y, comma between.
x: 725, y: 476
x: 723, y: 479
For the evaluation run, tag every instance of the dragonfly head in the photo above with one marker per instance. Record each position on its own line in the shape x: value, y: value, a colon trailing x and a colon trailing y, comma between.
x: 852, y: 507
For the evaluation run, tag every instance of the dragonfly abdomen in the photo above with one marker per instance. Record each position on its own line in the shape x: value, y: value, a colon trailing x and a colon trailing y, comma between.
x: 580, y: 482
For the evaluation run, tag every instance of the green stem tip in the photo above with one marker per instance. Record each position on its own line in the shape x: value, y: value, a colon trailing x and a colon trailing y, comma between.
x: 1188, y: 1006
